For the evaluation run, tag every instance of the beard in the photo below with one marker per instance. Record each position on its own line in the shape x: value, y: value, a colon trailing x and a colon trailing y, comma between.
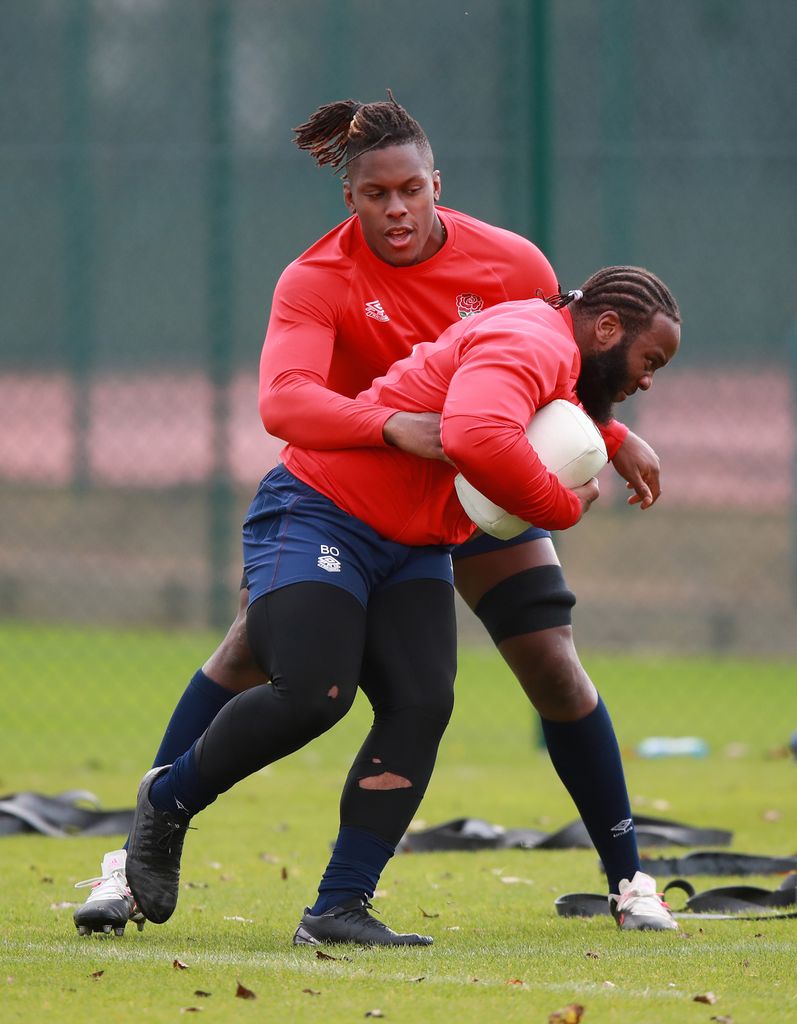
x: 602, y: 375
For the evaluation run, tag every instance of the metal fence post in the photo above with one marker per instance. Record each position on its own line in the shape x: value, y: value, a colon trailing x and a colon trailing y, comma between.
x: 539, y: 136
x: 78, y: 207
x: 219, y: 281
x: 793, y: 365
x: 540, y: 158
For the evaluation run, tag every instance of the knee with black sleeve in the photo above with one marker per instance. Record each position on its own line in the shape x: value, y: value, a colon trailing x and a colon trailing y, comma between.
x: 526, y: 602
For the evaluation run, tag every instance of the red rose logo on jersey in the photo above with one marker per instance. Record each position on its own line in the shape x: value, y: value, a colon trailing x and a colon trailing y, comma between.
x: 468, y: 304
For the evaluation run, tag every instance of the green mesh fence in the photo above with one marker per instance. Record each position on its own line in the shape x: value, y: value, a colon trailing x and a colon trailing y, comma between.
x: 151, y: 196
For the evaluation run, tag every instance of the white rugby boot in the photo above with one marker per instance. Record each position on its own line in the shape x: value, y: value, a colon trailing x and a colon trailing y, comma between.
x: 638, y: 907
x: 110, y: 904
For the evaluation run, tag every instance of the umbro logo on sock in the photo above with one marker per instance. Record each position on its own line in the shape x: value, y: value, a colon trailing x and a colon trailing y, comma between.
x: 622, y: 828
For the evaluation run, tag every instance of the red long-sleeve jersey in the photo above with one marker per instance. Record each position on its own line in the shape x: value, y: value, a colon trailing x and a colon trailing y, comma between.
x: 486, y: 376
x: 341, y: 316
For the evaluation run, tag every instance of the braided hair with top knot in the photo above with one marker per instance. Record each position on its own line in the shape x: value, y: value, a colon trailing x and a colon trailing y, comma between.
x: 339, y: 132
x: 635, y: 294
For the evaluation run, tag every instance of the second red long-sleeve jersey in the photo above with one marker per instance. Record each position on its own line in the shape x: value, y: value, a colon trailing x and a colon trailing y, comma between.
x: 486, y: 376
x: 341, y: 316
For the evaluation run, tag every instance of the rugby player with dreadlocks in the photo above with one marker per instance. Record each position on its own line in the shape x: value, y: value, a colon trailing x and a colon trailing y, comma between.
x: 395, y: 273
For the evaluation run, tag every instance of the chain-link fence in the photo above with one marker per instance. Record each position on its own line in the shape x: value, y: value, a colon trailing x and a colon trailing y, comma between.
x: 151, y: 197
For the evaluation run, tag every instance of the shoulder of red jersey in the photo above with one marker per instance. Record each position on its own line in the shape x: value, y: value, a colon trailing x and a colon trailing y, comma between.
x: 504, y: 249
x: 528, y: 332
x: 335, y: 252
x: 474, y: 229
x: 481, y: 228
x: 524, y: 315
x: 325, y: 267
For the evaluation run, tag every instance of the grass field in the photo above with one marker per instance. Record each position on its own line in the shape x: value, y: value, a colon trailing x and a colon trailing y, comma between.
x: 88, y: 708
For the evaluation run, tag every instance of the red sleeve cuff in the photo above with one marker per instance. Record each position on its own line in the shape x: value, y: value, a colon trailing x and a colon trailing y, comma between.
x: 614, y: 433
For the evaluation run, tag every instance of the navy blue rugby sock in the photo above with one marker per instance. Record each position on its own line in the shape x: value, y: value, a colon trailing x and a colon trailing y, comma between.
x: 182, y: 789
x: 357, y: 862
x: 200, y: 703
x: 196, y: 709
x: 587, y: 759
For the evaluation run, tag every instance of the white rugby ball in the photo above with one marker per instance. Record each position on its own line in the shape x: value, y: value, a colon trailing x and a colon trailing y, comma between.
x: 568, y: 444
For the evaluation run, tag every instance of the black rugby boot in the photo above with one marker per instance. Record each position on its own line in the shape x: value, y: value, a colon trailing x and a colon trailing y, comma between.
x: 153, y: 854
x: 351, y: 922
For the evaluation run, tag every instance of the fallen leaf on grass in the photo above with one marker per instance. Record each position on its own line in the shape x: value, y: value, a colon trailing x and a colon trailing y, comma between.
x: 246, y: 920
x: 242, y: 992
x: 97, y: 974
x: 706, y: 997
x: 320, y: 955
x: 422, y: 978
x: 196, y: 885
x: 515, y: 981
x: 771, y: 815
x: 190, y: 1009
x: 178, y: 965
x: 723, y: 1019
x: 374, y: 1013
x: 284, y: 873
x: 514, y: 880
x: 201, y: 994
x: 312, y: 991
x: 430, y: 916
x: 592, y: 955
x: 47, y: 879
x: 269, y: 858
x: 609, y: 984
x: 570, y: 1014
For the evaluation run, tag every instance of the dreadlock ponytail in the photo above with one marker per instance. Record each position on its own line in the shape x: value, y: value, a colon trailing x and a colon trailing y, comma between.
x: 339, y: 132
x: 326, y: 133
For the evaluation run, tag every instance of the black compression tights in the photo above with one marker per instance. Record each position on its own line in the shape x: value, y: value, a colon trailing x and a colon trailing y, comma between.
x: 316, y: 643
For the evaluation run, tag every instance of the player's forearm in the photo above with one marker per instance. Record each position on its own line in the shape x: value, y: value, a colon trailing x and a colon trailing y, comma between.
x: 308, y: 414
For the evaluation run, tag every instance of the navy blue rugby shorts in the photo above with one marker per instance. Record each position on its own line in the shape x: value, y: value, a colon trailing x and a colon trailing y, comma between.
x: 482, y: 543
x: 293, y: 534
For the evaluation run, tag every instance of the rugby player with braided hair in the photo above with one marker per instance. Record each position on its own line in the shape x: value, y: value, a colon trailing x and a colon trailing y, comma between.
x: 397, y: 272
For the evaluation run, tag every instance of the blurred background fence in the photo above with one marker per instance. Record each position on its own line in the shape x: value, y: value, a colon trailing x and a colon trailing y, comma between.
x: 151, y: 196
